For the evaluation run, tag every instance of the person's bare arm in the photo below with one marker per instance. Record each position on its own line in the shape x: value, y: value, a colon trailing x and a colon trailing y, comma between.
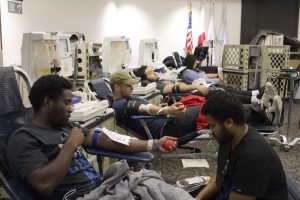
x: 219, y: 76
x: 185, y: 88
x: 134, y: 146
x: 209, y: 191
x: 176, y: 109
x: 46, y: 178
x: 212, y: 75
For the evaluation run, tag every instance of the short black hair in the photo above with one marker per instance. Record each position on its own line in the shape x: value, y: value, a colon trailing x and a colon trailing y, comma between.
x: 190, y: 61
x: 49, y: 85
x: 222, y: 106
x: 141, y: 72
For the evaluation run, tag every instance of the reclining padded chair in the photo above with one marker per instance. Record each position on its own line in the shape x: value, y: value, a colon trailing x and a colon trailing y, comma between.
x: 12, y: 116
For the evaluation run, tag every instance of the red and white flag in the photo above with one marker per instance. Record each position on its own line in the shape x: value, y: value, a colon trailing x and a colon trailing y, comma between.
x: 202, y: 36
x: 201, y: 39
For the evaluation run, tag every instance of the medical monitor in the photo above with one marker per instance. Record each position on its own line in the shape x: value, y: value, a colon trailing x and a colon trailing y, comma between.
x: 64, y: 45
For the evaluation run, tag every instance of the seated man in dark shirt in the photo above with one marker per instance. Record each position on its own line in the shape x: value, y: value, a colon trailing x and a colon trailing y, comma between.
x: 248, y: 167
x: 47, y: 152
x: 125, y: 105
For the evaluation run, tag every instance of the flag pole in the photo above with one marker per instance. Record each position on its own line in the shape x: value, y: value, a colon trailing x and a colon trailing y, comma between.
x: 211, y: 52
x: 212, y: 41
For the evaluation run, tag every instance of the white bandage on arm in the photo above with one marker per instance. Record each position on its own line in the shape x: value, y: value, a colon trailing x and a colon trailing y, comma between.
x: 143, y: 107
x: 116, y: 137
x: 147, y: 108
x: 150, y: 145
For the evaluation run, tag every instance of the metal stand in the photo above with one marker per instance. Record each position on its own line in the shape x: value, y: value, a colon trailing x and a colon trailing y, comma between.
x: 286, y: 141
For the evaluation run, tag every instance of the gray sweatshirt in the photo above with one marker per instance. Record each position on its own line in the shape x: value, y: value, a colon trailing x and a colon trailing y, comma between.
x: 119, y: 183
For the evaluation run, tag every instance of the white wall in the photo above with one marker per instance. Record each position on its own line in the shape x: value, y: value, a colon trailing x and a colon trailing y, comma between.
x: 165, y: 20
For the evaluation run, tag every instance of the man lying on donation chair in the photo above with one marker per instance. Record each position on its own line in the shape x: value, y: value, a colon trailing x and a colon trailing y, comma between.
x: 167, y: 87
x: 148, y: 75
x: 264, y: 103
x: 47, y: 153
x: 265, y: 97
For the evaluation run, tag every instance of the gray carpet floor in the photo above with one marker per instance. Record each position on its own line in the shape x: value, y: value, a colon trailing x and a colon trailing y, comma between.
x: 172, y: 169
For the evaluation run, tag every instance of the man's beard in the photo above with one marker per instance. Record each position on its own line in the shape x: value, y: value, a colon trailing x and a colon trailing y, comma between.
x: 225, y: 136
x: 58, y: 123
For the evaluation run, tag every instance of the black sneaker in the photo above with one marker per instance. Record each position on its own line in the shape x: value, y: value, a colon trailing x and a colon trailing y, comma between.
x: 260, y: 92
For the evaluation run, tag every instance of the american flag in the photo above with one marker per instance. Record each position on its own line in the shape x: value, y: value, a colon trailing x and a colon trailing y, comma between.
x: 189, y: 37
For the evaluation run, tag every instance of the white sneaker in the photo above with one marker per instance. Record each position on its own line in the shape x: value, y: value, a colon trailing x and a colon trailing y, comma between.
x: 269, y: 94
x: 276, y: 110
